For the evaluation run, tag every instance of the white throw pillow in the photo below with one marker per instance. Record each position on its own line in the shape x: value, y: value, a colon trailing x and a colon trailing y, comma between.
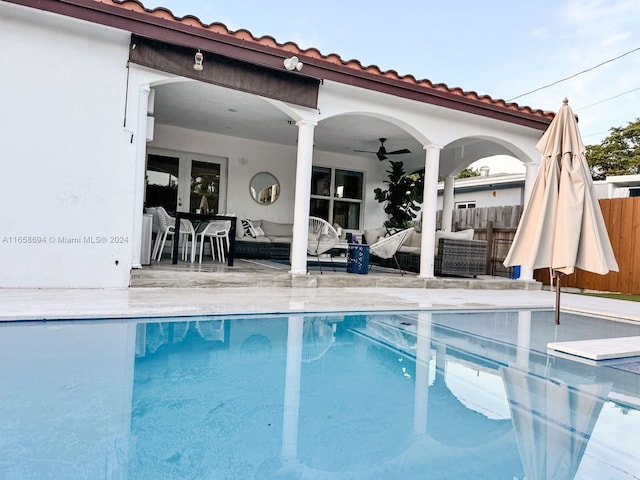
x: 248, y: 228
x: 459, y: 235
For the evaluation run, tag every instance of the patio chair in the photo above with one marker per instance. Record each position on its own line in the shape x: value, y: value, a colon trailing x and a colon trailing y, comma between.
x: 218, y: 230
x: 164, y: 225
x: 187, y: 234
x: 387, y: 247
x: 322, y: 238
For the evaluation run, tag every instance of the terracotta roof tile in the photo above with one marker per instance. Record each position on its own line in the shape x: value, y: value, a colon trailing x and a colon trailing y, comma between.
x: 314, y: 53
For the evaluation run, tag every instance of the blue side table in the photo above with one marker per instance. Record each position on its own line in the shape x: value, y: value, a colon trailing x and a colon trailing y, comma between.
x: 358, y: 258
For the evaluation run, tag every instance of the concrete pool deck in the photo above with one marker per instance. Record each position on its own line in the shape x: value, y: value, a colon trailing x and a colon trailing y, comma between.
x: 51, y: 304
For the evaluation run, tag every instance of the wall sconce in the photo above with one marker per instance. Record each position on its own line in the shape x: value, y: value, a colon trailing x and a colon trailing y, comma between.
x: 198, y: 58
x: 293, y: 63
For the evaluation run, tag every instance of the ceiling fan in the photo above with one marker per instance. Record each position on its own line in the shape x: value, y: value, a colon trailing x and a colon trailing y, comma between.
x: 382, y: 152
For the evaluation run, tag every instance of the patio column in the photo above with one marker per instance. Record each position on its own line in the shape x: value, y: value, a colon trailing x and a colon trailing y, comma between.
x: 429, y: 209
x: 526, y: 272
x: 293, y: 371
x: 139, y: 174
x: 303, y: 194
x: 423, y: 357
x: 447, y: 203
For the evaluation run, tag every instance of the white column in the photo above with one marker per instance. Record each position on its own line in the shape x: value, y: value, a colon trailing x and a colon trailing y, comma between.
x: 526, y: 272
x: 140, y: 166
x: 423, y: 357
x: 292, y: 388
x: 523, y: 340
x: 303, y: 194
x: 447, y: 203
x: 429, y: 209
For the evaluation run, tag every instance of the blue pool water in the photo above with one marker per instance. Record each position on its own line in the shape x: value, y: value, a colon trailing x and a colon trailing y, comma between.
x: 422, y: 395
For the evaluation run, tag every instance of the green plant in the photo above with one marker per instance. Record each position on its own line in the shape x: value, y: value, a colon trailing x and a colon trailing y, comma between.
x: 401, y: 198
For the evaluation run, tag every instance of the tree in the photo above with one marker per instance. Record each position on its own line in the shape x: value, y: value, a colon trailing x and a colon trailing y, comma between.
x: 618, y: 154
x: 401, y: 196
x: 468, y: 172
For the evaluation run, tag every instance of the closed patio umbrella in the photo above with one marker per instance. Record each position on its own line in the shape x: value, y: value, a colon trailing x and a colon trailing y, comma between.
x: 553, y: 421
x: 562, y: 226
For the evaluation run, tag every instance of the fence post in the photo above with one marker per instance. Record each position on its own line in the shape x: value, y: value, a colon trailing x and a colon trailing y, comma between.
x: 489, y: 261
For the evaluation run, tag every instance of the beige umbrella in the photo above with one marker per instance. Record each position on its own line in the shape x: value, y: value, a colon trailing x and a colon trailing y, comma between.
x: 552, y: 420
x: 562, y: 226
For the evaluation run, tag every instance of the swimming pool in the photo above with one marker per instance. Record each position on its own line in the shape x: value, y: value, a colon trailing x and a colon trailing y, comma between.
x: 351, y: 396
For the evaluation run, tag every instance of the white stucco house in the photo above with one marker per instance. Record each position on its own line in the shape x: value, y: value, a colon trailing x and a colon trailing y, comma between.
x: 101, y: 96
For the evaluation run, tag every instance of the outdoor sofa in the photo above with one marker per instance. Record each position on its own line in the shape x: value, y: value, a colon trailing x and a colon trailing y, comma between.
x: 456, y: 254
x: 263, y: 239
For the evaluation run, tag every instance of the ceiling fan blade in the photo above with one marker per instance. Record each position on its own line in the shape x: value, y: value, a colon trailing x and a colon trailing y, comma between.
x: 381, y: 156
x: 364, y: 151
x: 396, y: 152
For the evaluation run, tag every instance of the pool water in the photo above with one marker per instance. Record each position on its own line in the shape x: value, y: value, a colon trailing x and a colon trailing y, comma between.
x: 418, y: 395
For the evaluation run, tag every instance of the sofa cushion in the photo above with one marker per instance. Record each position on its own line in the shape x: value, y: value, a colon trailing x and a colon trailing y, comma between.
x: 409, y: 249
x: 275, y: 229
x: 459, y: 235
x: 371, y: 236
x: 239, y: 229
x: 414, y: 240
x: 275, y: 239
x: 262, y: 239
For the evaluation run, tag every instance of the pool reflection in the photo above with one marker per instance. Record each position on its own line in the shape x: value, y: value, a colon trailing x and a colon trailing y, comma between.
x: 322, y: 396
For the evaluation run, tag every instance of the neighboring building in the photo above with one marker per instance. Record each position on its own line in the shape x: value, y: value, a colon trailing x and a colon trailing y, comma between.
x: 503, y: 189
x: 108, y: 106
x: 486, y: 191
x: 619, y: 186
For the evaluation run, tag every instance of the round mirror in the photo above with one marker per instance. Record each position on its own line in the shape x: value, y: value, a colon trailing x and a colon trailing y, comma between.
x: 264, y: 188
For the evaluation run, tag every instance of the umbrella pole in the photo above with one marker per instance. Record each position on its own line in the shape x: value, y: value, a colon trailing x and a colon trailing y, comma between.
x: 557, y: 275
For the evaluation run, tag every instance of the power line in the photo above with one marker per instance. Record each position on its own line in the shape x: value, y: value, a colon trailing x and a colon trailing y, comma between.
x: 606, y: 99
x: 574, y: 75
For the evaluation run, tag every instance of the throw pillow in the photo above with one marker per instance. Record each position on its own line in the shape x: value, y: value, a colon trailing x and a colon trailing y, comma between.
x: 247, y: 226
x: 258, y: 231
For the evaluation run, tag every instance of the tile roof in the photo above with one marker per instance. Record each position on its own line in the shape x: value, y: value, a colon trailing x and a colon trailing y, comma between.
x: 161, y: 24
x: 313, y: 53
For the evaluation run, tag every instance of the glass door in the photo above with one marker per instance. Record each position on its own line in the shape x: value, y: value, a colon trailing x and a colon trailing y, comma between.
x: 204, y: 192
x: 186, y: 182
x: 162, y: 181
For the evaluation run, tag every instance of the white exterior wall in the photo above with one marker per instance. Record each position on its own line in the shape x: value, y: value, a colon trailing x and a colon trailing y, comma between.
x: 489, y: 198
x: 68, y: 164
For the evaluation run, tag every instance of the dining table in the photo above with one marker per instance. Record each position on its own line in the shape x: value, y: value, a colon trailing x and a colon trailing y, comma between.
x: 202, y: 219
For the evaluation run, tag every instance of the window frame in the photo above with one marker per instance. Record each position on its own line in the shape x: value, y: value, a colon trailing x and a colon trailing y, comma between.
x: 332, y: 198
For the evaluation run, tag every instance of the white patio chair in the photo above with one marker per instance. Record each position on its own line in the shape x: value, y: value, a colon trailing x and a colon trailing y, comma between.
x: 218, y: 230
x: 387, y: 247
x: 165, y: 226
x: 187, y: 234
x: 322, y: 238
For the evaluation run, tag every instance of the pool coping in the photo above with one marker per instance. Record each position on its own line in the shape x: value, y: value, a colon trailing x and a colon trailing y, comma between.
x: 158, y: 302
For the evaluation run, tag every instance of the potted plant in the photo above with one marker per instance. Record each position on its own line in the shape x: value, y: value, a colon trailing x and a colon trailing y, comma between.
x: 402, y: 197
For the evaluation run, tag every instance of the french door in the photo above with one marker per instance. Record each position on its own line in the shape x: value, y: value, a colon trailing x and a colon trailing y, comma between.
x: 186, y: 182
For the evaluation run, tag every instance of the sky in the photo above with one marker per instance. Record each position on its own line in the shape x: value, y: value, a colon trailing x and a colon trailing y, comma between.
x: 500, y: 48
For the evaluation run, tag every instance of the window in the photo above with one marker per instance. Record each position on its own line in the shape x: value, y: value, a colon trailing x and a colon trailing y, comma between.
x: 336, y: 196
x: 462, y: 205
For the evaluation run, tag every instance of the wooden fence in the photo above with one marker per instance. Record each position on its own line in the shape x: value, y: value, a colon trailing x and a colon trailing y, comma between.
x: 496, y: 225
x: 622, y: 218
